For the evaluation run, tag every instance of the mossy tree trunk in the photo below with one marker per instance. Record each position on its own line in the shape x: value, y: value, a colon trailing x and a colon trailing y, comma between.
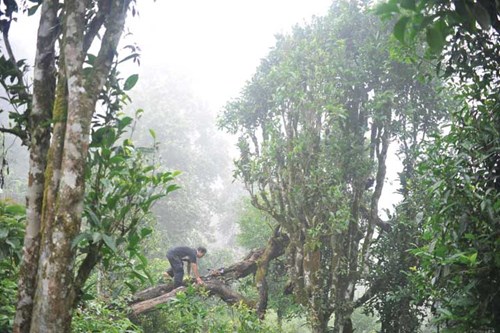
x: 39, y: 127
x: 275, y: 248
x: 55, y: 198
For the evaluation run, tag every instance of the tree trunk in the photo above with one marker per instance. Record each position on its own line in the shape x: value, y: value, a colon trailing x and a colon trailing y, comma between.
x: 63, y: 188
x: 343, y: 309
x: 274, y: 249
x: 319, y: 324
x: 64, y: 196
x: 39, y: 128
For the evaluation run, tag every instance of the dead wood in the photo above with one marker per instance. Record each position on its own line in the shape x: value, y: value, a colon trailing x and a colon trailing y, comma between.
x: 216, y: 282
x: 149, y: 304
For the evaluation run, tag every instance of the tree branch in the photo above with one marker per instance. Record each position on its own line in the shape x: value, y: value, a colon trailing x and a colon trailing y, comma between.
x: 114, y: 23
x: 95, y: 25
x: 16, y: 132
x: 369, y: 294
x: 384, y: 226
x: 216, y: 281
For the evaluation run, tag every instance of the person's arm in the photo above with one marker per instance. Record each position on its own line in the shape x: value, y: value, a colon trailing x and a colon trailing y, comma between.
x: 196, y: 273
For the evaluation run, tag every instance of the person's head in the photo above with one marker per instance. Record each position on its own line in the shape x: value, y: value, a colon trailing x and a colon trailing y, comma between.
x: 201, y: 251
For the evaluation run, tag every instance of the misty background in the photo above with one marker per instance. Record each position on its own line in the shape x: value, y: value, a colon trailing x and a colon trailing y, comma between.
x: 195, y: 57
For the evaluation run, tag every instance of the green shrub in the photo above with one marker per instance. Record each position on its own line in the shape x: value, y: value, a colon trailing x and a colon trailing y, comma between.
x: 12, y: 218
x: 98, y: 316
x: 192, y: 312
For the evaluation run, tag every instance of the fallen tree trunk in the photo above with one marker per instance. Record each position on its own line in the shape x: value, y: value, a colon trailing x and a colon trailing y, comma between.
x: 216, y: 281
x: 214, y: 287
x: 146, y: 305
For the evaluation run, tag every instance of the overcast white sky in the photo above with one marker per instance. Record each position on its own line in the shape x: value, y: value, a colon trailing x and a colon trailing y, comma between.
x: 217, y: 43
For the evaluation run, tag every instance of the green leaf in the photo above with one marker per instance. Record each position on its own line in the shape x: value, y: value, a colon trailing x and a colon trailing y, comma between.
x: 484, y: 204
x: 117, y: 159
x: 482, y: 16
x: 408, y: 4
x: 130, y: 82
x: 110, y: 242
x: 96, y: 236
x: 173, y: 187
x: 473, y: 258
x: 91, y: 59
x: 93, y: 218
x: 435, y: 38
x: 146, y: 231
x: 139, y: 113
x: 469, y: 236
x: 386, y: 9
x: 153, y: 133
x: 124, y: 122
x: 143, y: 260
x: 133, y: 240
x: 139, y: 275
x: 32, y: 10
x: 400, y: 28
x: 424, y: 21
x: 78, y: 239
x: 445, y: 312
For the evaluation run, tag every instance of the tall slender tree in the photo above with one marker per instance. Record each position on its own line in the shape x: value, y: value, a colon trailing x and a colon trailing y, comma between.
x: 64, y: 99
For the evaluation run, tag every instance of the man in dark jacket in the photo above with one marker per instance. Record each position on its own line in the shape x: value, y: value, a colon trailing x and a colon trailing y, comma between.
x: 179, y: 254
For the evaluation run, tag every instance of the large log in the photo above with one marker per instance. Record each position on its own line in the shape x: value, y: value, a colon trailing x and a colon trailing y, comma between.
x: 236, y: 271
x: 216, y: 282
x: 152, y: 292
x: 228, y: 295
x: 146, y: 305
x: 142, y: 304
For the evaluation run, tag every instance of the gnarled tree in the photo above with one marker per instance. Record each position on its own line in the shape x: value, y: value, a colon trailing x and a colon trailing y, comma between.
x: 314, y: 125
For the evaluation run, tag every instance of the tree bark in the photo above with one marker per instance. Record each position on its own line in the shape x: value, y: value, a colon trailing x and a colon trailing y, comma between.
x: 149, y: 304
x: 64, y: 196
x: 274, y: 249
x: 58, y: 216
x: 214, y: 287
x: 39, y: 129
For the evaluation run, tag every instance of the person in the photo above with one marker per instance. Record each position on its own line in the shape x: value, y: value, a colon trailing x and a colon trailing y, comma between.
x: 177, y: 255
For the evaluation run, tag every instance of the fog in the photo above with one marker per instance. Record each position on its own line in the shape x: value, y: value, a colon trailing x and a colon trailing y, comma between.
x: 204, y: 51
x: 195, y: 56
x: 216, y: 44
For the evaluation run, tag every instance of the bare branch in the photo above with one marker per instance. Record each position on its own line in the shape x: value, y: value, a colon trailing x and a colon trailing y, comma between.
x: 95, y: 25
x: 18, y: 133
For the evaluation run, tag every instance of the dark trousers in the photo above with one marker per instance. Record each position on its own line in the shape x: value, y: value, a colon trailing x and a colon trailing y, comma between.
x: 176, y: 269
